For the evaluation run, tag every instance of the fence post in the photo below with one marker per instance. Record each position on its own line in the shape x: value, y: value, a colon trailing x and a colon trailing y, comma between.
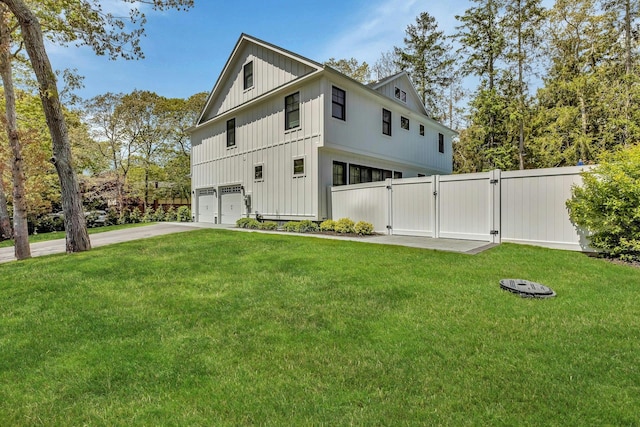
x: 435, y: 190
x: 495, y: 206
x: 389, y: 184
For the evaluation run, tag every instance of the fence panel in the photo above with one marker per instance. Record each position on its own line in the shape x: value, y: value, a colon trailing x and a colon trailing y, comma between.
x: 534, y: 210
x: 362, y: 202
x: 465, y: 206
x: 413, y: 206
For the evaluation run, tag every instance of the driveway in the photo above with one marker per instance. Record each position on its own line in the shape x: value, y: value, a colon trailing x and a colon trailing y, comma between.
x: 159, y: 229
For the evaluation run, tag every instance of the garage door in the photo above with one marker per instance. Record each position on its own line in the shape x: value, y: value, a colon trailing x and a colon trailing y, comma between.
x: 206, y: 205
x: 232, y: 204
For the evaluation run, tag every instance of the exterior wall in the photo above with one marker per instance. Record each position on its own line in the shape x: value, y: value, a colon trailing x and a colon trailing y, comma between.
x: 262, y: 139
x: 270, y: 70
x: 361, y: 132
x: 402, y: 83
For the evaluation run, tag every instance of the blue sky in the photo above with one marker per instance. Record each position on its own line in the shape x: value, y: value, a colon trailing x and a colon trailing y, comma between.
x: 185, y: 51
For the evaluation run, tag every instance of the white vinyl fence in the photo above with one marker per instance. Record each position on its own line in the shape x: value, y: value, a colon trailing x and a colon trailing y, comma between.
x: 520, y: 206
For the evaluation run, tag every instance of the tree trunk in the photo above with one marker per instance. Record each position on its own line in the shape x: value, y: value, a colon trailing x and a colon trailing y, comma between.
x: 77, y: 238
x: 5, y: 219
x: 20, y: 225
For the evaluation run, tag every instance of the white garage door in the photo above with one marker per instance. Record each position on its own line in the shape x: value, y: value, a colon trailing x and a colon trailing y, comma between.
x: 232, y: 204
x: 206, y: 205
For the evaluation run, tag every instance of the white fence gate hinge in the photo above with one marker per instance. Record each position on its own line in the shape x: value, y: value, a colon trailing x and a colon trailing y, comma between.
x: 493, y: 181
x: 494, y: 232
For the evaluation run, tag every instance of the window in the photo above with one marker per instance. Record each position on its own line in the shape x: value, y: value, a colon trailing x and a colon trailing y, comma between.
x: 386, y: 122
x: 404, y: 123
x: 359, y: 174
x: 298, y: 166
x: 248, y: 75
x: 421, y: 130
x: 257, y: 172
x: 400, y: 94
x: 339, y: 173
x: 338, y: 104
x: 397, y: 175
x: 231, y: 133
x: 292, y: 111
x: 441, y: 143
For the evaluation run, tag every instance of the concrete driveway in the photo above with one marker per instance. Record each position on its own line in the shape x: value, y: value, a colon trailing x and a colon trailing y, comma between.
x: 158, y: 229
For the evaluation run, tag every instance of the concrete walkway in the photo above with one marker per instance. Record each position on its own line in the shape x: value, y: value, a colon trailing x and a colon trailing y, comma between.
x: 119, y: 236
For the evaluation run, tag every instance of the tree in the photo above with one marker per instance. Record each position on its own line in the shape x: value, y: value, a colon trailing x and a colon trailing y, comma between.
x: 522, y: 27
x: 386, y: 65
x: 483, y: 44
x: 20, y: 232
x: 426, y: 58
x: 352, y: 68
x: 82, y: 22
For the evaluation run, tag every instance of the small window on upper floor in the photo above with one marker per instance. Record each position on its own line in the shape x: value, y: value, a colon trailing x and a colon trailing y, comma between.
x: 248, y: 75
x: 292, y: 111
x: 231, y: 133
x: 338, y: 103
x: 386, y: 122
x: 397, y: 175
x: 404, y: 122
x: 440, y: 143
x: 421, y: 130
x: 400, y: 94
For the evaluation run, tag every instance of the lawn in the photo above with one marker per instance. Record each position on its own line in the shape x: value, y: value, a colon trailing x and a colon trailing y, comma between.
x: 217, y: 327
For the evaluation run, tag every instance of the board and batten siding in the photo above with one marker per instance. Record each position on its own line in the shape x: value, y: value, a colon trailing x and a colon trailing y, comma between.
x: 361, y: 132
x: 262, y: 140
x: 270, y: 71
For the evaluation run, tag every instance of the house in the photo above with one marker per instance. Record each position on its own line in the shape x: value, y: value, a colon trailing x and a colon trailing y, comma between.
x: 279, y: 130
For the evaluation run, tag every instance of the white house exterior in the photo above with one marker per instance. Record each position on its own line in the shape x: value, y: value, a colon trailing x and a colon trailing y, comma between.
x: 279, y: 130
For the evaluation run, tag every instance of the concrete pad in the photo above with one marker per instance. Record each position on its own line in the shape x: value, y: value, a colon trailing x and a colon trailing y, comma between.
x: 110, y: 237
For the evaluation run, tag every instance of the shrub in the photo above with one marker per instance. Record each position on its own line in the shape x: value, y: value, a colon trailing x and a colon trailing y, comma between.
x: 607, y: 205
x: 292, y: 226
x: 171, y: 214
x: 363, y: 228
x: 158, y: 215
x: 242, y: 222
x: 307, y: 226
x: 344, y: 226
x: 148, y: 215
x: 328, y: 225
x: 184, y: 214
x: 135, y: 216
x: 269, y: 225
x: 112, y: 217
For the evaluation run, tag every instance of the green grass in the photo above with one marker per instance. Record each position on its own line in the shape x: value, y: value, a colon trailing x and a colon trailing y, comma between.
x: 216, y: 327
x: 43, y: 237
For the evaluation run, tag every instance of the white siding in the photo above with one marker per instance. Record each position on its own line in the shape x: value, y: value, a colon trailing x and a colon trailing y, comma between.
x: 361, y: 133
x: 270, y: 70
x: 402, y: 83
x: 261, y: 139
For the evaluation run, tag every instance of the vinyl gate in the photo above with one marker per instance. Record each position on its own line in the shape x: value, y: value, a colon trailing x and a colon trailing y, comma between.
x: 519, y: 206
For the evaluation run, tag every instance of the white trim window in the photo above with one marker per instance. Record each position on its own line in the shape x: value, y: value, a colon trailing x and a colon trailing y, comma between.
x: 299, y: 166
x: 247, y: 72
x: 292, y: 111
x: 258, y: 172
x: 404, y: 123
x: 400, y: 94
x: 231, y: 133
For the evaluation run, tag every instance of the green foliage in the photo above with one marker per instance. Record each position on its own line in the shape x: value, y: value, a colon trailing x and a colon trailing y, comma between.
x: 249, y: 223
x: 344, y: 226
x: 184, y: 214
x: 328, y: 225
x: 307, y: 226
x: 269, y: 225
x: 148, y: 215
x: 608, y: 204
x: 171, y: 214
x: 352, y: 68
x: 291, y: 226
x: 363, y: 228
x: 135, y: 216
x: 159, y: 214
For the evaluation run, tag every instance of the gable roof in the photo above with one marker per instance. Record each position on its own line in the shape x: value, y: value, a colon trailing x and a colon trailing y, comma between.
x: 244, y: 40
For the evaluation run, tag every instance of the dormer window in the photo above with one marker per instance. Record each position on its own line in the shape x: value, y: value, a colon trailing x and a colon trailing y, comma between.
x: 248, y: 75
x: 400, y: 94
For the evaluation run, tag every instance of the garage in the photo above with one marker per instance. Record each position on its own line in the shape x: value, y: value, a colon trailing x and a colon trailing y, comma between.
x: 207, y: 205
x: 232, y: 204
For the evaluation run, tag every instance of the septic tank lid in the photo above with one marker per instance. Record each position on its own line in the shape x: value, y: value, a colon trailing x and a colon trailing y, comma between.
x: 526, y: 288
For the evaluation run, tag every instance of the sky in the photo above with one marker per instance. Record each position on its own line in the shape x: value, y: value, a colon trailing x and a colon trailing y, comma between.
x: 186, y: 51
